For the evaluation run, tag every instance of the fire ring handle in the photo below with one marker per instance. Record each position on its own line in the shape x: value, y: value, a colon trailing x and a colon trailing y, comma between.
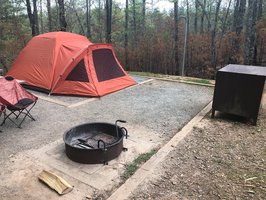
x: 104, y: 145
x: 124, y: 130
x: 121, y: 121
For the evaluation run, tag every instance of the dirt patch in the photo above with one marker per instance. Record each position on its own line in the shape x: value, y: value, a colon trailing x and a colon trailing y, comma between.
x: 220, y: 159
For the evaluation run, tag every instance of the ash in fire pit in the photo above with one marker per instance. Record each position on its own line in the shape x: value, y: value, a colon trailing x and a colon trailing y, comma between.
x: 94, y: 143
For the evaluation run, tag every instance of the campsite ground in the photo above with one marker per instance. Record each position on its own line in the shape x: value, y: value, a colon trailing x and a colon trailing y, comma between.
x: 219, y: 158
x: 154, y: 111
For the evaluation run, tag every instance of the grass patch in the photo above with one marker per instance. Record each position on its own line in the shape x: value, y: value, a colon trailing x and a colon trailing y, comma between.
x: 146, y: 74
x: 201, y: 81
x: 172, y: 77
x: 136, y: 163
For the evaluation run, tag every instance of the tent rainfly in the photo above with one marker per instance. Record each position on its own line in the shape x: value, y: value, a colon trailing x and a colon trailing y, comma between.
x: 67, y: 63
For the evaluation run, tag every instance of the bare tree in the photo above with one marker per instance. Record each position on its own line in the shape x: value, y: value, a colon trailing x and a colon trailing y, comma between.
x: 143, y: 13
x: 108, y: 21
x: 30, y: 16
x: 188, y: 31
x: 187, y: 16
x: 99, y: 20
x: 239, y: 13
x: 62, y: 19
x: 126, y: 35
x: 225, y: 18
x: 73, y: 8
x: 214, y: 33
x: 175, y: 69
x: 88, y: 17
x: 41, y: 16
x: 238, y: 24
x: 260, y: 9
x: 250, y: 35
x: 33, y: 17
x: 202, y: 18
x: 196, y: 16
x: 57, y: 15
x: 213, y: 28
x: 49, y: 15
x: 134, y: 22
x: 203, y: 7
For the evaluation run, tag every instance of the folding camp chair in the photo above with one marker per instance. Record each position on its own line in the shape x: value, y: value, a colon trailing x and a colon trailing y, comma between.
x: 17, y: 101
x: 2, y: 110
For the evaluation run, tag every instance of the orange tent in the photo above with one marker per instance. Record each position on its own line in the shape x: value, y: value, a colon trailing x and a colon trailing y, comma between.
x: 67, y: 63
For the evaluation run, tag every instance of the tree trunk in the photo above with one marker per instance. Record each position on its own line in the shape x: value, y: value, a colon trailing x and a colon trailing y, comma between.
x: 203, y: 7
x: 134, y: 22
x: 143, y: 13
x: 188, y: 31
x: 62, y: 19
x: 32, y: 17
x: 99, y: 20
x: 108, y: 21
x: 224, y: 24
x: 250, y: 36
x: 35, y: 17
x: 236, y: 8
x: 88, y: 17
x: 213, y: 44
x: 57, y: 15
x: 196, y: 17
x: 2, y: 61
x: 49, y: 15
x: 260, y: 10
x: 238, y: 23
x: 41, y: 16
x: 225, y: 18
x: 241, y: 16
x: 175, y: 69
x: 202, y: 18
x: 126, y: 35
x: 239, y: 13
x: 78, y: 18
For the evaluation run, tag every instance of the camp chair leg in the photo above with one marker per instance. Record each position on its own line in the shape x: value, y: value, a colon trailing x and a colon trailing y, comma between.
x: 19, y: 126
x: 25, y: 111
x: 3, y: 111
x: 14, y: 113
x: 3, y: 122
x: 7, y: 117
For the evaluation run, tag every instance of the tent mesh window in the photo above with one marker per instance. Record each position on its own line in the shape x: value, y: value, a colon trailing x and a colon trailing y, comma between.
x: 105, y: 65
x: 78, y: 73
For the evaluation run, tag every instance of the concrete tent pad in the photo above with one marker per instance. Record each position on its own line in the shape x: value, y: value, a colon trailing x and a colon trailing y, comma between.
x: 154, y: 112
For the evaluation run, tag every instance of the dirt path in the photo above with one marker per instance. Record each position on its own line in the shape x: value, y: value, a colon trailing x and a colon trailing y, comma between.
x: 220, y: 159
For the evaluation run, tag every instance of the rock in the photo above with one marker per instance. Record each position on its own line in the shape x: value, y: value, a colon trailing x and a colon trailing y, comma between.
x: 174, y: 183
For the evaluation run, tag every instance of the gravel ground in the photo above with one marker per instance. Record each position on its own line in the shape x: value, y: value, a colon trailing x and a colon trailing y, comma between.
x: 219, y: 159
x: 161, y: 107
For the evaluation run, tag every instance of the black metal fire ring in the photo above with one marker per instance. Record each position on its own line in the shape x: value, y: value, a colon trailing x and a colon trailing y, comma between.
x: 94, y: 143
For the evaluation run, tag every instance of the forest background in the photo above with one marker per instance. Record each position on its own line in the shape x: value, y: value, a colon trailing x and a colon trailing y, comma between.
x: 148, y: 35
